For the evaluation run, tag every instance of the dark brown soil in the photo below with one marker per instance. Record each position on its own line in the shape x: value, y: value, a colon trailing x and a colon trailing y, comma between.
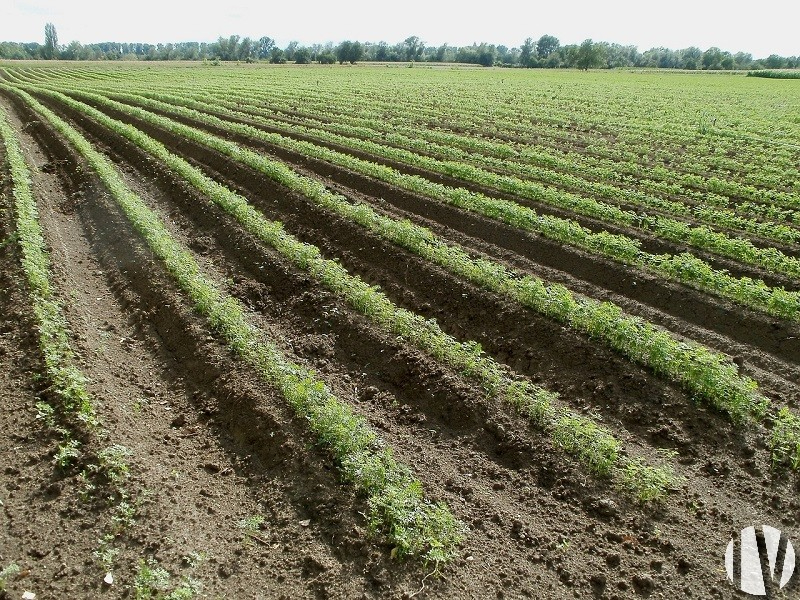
x: 212, y: 445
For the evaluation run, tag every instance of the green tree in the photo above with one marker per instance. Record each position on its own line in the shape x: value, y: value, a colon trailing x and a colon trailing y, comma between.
x: 487, y: 54
x: 743, y: 60
x: 350, y: 52
x: 712, y: 58
x: 290, y: 50
x: 589, y: 55
x: 413, y: 47
x: 264, y: 47
x: 526, y: 53
x: 546, y: 45
x: 277, y: 56
x: 302, y: 56
x: 246, y: 50
x: 50, y: 48
x: 727, y: 61
x: 691, y: 57
x: 773, y: 61
x: 226, y: 48
x: 73, y: 50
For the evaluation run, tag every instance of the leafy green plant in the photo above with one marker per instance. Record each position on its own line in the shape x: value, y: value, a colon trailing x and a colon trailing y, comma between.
x: 112, y: 463
x: 106, y: 554
x: 67, y: 454
x: 251, y: 524
x: 647, y: 483
x: 7, y: 573
x: 150, y: 580
x: 785, y: 440
x: 123, y: 515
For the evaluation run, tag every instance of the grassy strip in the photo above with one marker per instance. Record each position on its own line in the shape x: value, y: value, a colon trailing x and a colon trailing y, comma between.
x: 397, y: 506
x: 775, y: 74
x: 708, y: 375
x: 685, y: 267
x: 67, y: 383
x: 578, y: 435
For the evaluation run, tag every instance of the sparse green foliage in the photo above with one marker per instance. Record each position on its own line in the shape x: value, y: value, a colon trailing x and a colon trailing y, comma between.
x: 785, y: 441
x: 7, y: 573
x: 251, y: 524
x: 46, y: 413
x: 67, y: 454
x: 106, y: 554
x: 151, y: 580
x: 112, y: 464
x: 194, y: 559
x: 647, y: 483
x: 123, y: 515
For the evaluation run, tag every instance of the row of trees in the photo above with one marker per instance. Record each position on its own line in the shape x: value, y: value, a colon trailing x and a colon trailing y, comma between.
x: 546, y: 52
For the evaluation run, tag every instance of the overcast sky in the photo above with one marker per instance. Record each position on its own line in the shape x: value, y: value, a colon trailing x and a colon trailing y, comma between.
x: 761, y: 28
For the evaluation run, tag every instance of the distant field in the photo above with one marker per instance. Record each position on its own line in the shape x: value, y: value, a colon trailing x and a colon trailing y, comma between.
x: 539, y: 330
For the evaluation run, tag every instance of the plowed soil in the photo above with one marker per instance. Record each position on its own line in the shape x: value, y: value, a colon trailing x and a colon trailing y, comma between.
x: 211, y: 445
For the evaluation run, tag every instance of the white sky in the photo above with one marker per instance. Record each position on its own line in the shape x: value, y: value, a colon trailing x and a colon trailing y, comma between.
x: 762, y: 28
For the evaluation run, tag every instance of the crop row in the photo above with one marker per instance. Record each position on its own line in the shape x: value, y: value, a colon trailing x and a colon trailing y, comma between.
x: 67, y: 382
x: 719, y: 150
x: 322, y: 100
x: 578, y: 435
x: 684, y: 267
x: 382, y: 108
x: 655, y: 186
x: 674, y: 230
x: 549, y: 187
x: 570, y: 171
x: 705, y: 373
x: 395, y: 498
x: 763, y: 159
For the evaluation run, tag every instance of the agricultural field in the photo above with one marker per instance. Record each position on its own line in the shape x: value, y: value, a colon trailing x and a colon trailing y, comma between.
x: 388, y: 332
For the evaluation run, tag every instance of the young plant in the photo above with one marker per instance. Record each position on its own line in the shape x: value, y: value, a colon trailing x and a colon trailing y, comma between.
x: 7, y: 573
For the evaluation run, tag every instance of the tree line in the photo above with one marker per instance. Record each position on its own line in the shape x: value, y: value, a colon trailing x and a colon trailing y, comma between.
x: 546, y: 52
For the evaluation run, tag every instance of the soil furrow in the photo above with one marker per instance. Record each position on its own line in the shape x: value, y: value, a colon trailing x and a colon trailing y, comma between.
x: 747, y: 326
x: 215, y: 443
x: 535, y: 528
x: 780, y: 340
x: 530, y: 344
x: 649, y: 242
